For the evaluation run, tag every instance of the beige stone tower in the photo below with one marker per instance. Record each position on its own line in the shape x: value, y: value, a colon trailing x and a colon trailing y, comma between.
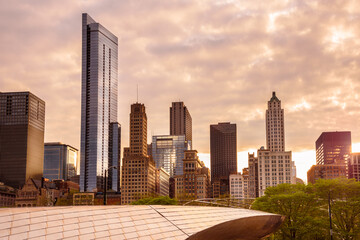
x: 275, y: 134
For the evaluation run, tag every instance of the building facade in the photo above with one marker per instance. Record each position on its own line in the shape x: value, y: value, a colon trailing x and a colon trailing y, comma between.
x: 162, y: 182
x: 327, y: 171
x: 333, y: 148
x: 275, y: 130
x: 274, y: 168
x: 223, y: 155
x: 354, y: 166
x: 195, y: 182
x: 168, y: 152
x: 114, y: 178
x: 138, y: 176
x: 60, y: 161
x: 7, y: 196
x: 253, y: 164
x: 99, y: 96
x: 236, y: 186
x: 180, y: 121
x: 22, y: 122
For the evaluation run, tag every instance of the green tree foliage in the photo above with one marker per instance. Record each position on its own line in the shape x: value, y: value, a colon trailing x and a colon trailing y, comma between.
x: 306, y: 209
x: 300, y: 205
x: 344, y: 195
x: 160, y: 200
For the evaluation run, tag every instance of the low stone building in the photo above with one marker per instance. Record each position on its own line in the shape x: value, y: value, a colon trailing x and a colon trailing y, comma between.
x: 195, y: 182
x: 7, y: 196
x: 37, y: 193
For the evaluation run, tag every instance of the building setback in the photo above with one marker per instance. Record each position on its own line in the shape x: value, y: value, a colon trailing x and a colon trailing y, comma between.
x: 60, y: 161
x: 99, y: 96
x: 138, y: 178
x: 223, y: 155
x: 180, y: 121
x: 22, y: 122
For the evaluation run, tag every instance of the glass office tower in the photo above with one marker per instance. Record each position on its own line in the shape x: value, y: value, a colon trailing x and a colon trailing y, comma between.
x: 168, y: 152
x: 60, y: 161
x: 98, y: 101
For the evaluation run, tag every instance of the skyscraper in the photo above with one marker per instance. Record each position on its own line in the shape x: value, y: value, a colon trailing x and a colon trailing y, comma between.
x: 22, y: 122
x: 138, y: 130
x: 168, y: 153
x: 138, y: 178
x: 180, y: 121
x: 333, y: 148
x: 60, y: 161
x: 223, y: 155
x: 274, y: 164
x: 275, y: 133
x: 98, y: 101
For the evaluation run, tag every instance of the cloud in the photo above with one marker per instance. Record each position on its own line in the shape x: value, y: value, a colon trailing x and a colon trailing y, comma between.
x: 222, y: 58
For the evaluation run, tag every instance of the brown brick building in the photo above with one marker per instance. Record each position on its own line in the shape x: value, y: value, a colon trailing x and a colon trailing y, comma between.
x: 180, y: 120
x: 195, y: 182
x: 138, y: 178
x: 328, y: 171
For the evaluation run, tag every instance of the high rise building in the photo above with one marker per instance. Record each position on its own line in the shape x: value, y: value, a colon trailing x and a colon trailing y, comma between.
x: 180, y: 121
x: 114, y: 157
x: 274, y: 168
x: 168, y: 153
x: 138, y: 172
x: 275, y: 131
x: 138, y: 130
x: 99, y: 96
x: 253, y: 164
x: 60, y: 161
x: 223, y: 155
x: 22, y: 121
x: 354, y: 166
x: 333, y: 148
x: 195, y: 182
x: 273, y: 165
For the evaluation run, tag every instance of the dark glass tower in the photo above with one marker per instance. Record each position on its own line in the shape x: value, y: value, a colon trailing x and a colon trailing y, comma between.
x: 333, y: 148
x: 99, y: 93
x: 223, y: 156
x: 22, y: 122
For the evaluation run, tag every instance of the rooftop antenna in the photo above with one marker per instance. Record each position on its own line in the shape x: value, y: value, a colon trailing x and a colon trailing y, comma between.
x: 137, y: 93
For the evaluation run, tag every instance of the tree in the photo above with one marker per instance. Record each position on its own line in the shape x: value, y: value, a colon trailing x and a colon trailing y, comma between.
x: 160, y: 200
x: 300, y: 205
x: 344, y: 197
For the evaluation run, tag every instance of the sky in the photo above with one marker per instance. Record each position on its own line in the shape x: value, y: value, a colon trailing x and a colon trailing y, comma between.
x: 222, y: 58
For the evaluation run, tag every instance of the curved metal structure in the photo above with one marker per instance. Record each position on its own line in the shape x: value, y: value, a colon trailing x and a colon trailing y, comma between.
x: 136, y: 222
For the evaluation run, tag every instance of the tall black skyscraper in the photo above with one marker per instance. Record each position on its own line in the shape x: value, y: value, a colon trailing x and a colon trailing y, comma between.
x: 22, y: 122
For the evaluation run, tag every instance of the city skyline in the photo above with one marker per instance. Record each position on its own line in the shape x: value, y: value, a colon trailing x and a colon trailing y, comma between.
x: 199, y: 62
